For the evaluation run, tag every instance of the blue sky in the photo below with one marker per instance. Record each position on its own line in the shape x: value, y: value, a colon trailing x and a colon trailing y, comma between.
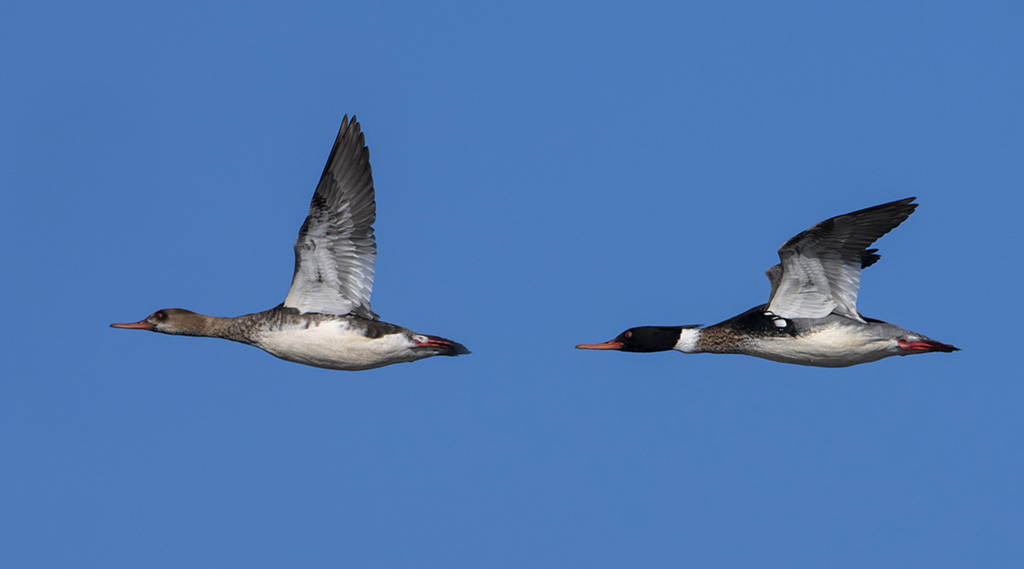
x: 547, y: 174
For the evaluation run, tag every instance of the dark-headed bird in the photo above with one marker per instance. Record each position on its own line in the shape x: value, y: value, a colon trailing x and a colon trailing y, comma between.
x: 811, y: 317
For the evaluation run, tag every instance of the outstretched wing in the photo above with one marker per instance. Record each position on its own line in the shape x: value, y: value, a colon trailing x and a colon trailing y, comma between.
x: 335, y: 252
x: 820, y: 269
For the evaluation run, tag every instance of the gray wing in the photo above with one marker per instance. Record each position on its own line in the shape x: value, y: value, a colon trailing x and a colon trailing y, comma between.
x: 335, y: 252
x: 820, y: 269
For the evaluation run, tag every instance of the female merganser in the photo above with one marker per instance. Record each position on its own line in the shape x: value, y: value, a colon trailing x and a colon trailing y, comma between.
x: 811, y: 317
x: 326, y: 319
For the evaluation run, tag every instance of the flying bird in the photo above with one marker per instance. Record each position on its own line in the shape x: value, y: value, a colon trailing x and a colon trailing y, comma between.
x: 811, y: 317
x: 326, y: 320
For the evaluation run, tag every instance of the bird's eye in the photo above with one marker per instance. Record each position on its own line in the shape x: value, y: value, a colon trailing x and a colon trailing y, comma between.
x: 628, y: 334
x: 160, y: 316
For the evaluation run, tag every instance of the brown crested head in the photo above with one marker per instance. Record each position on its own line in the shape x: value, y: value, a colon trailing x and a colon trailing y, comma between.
x: 168, y: 321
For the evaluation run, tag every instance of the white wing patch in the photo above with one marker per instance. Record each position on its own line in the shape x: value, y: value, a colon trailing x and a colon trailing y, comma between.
x: 820, y: 269
x: 336, y: 251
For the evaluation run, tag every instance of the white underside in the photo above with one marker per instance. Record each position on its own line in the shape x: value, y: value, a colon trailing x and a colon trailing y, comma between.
x: 834, y: 346
x: 333, y: 345
x: 829, y: 347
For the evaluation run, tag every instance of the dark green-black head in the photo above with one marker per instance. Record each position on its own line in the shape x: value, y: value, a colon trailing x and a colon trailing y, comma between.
x: 642, y: 339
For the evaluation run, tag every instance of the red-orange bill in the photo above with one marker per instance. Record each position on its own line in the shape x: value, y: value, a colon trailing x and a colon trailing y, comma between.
x: 136, y: 326
x: 611, y: 345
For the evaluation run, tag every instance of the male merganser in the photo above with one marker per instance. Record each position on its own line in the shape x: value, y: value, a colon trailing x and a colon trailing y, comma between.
x: 326, y: 319
x: 811, y: 317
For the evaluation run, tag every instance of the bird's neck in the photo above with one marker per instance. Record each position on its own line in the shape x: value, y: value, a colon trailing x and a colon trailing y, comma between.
x: 214, y: 327
x: 688, y: 341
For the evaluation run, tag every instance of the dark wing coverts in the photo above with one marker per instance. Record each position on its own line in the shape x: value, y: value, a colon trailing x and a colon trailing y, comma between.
x: 335, y: 252
x: 820, y: 269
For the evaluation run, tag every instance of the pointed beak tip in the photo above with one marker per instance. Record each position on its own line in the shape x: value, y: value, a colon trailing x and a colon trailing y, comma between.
x: 136, y: 326
x: 612, y: 345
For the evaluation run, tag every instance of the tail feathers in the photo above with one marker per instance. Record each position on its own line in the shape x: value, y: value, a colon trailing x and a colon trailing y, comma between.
x: 926, y: 345
x: 446, y: 347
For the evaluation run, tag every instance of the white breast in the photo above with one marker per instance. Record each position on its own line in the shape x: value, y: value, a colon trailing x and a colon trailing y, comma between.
x: 837, y: 346
x: 335, y: 345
